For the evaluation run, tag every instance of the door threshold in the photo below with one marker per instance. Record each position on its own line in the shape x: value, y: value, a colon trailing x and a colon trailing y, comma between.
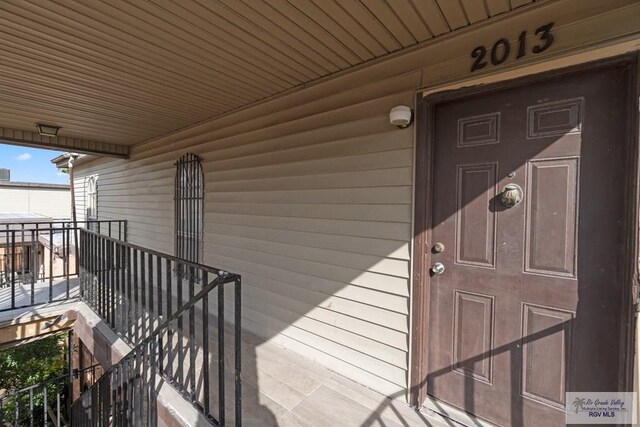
x: 454, y: 414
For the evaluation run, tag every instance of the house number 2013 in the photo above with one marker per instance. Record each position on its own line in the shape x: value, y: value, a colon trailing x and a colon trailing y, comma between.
x: 502, y: 48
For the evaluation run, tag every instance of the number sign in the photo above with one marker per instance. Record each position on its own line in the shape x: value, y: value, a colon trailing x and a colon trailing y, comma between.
x: 501, y: 49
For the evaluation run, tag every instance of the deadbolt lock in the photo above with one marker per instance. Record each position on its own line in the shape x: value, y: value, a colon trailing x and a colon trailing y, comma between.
x: 438, y: 247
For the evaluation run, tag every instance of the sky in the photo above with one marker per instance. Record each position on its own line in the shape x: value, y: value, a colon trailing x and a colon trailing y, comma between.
x: 31, y: 164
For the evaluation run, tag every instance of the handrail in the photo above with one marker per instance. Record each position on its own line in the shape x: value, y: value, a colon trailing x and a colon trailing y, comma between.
x: 105, y: 265
x: 181, y: 261
x: 14, y: 401
x: 12, y: 396
x: 39, y: 259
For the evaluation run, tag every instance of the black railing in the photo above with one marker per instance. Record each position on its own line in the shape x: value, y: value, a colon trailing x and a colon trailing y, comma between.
x: 38, y: 259
x: 43, y: 404
x: 168, y: 319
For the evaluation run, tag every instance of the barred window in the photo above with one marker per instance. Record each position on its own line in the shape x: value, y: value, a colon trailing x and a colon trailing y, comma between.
x: 92, y: 201
x: 189, y: 204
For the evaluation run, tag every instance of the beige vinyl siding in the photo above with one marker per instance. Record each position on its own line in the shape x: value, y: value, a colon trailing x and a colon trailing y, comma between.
x: 309, y: 197
x: 51, y: 202
x: 80, y: 189
x: 314, y: 212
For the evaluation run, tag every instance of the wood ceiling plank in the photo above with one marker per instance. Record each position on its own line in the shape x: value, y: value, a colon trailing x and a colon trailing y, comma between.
x: 387, y: 17
x: 94, y: 118
x: 368, y: 21
x: 335, y: 10
x: 454, y: 14
x: 474, y: 10
x: 518, y: 3
x: 155, y: 34
x: 329, y: 23
x: 253, y: 62
x: 432, y: 16
x: 134, y: 70
x: 308, y: 42
x: 22, y: 120
x: 409, y: 16
x: 282, y: 50
x: 264, y: 24
x: 75, y: 46
x: 23, y: 70
x: 62, y: 102
x: 107, y: 34
x: 302, y: 20
x: 51, y: 59
x: 496, y: 7
x: 216, y: 20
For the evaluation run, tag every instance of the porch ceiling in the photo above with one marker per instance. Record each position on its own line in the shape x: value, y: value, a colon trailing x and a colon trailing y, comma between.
x: 123, y: 72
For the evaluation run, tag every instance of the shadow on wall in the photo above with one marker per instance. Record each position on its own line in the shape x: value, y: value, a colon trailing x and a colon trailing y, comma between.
x: 353, y: 316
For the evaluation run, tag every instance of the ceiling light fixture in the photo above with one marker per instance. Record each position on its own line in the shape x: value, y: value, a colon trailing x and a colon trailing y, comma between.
x: 47, y: 130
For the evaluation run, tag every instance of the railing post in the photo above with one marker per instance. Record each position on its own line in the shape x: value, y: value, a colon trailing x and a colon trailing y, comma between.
x: 50, y: 262
x: 221, y: 374
x: 70, y: 351
x: 13, y: 269
x: 205, y: 345
x: 238, y: 348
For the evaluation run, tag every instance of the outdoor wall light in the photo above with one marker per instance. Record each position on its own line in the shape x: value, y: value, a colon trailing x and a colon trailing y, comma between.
x: 400, y: 116
x: 47, y: 130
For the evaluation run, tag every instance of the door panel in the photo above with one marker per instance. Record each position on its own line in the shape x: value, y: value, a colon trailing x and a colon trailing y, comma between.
x: 475, y: 225
x: 531, y: 294
x: 551, y: 217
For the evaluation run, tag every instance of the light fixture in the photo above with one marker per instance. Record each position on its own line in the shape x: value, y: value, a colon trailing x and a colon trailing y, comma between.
x: 47, y: 130
x: 400, y: 116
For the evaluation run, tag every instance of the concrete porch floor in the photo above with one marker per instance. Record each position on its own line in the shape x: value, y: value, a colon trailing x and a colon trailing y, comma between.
x: 281, y: 388
x: 293, y: 391
x: 40, y: 292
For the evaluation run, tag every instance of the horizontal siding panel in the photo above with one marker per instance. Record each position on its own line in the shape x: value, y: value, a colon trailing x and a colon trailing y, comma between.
x: 333, y: 307
x: 372, y: 246
x: 364, y: 287
x: 382, y: 230
x: 319, y: 354
x: 334, y: 149
x: 384, y: 300
x: 362, y: 262
x: 358, y: 275
x: 314, y: 211
x: 383, y: 370
x: 374, y: 161
x: 370, y: 178
x: 210, y: 142
x: 370, y: 212
x: 389, y: 195
x: 272, y: 306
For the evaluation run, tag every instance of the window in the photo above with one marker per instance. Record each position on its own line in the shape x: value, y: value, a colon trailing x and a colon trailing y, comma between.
x: 92, y: 202
x: 189, y: 203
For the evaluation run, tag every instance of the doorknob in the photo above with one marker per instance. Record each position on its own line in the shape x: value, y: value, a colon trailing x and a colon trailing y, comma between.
x: 437, y: 268
x: 511, y: 195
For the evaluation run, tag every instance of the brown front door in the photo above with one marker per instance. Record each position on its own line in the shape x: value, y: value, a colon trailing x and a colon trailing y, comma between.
x: 530, y: 303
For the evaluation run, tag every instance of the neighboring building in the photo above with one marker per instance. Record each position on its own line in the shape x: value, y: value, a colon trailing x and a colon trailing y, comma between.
x: 480, y: 259
x: 26, y: 250
x: 51, y: 200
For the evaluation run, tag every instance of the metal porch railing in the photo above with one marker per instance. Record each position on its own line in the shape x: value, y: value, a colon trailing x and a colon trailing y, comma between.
x: 43, y: 404
x: 38, y: 259
x: 160, y: 305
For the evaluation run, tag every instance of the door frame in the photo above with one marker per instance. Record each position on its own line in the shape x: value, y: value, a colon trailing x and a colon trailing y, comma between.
x: 424, y: 143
